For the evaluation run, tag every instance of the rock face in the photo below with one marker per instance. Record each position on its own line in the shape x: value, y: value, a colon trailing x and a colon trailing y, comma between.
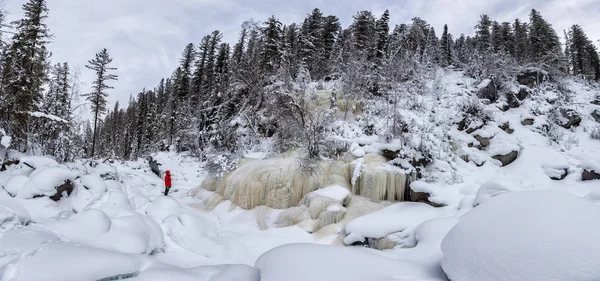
x: 487, y: 90
x: 568, y: 118
x: 513, y: 101
x: 507, y: 159
x: 532, y: 77
x: 596, y: 115
x: 67, y: 186
x: 589, y: 175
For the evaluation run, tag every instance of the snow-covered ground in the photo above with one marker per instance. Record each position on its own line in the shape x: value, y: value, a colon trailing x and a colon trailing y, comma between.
x: 511, y: 222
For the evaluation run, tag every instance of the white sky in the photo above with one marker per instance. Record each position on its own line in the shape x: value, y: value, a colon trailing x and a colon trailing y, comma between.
x: 146, y: 37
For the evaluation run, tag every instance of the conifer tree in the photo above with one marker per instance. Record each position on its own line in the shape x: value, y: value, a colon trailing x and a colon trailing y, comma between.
x: 483, y: 34
x: 446, y: 47
x: 272, y: 49
x: 97, y: 98
x: 520, y: 41
x: 24, y: 70
x: 544, y: 44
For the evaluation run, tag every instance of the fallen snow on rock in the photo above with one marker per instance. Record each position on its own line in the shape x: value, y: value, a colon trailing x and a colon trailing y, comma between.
x: 404, y: 216
x: 527, y: 235
x: 38, y: 162
x: 301, y: 262
x: 14, y: 184
x: 336, y: 193
x: 45, y: 181
x: 495, y: 187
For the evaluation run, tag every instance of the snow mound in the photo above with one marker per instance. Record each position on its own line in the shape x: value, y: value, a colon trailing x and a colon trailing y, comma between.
x: 38, y: 162
x: 229, y: 272
x: 14, y: 184
x: 94, y: 183
x: 494, y: 187
x: 503, y: 144
x: 527, y: 235
x: 194, y: 233
x: 392, y: 219
x: 591, y: 166
x: 12, y: 214
x: 67, y: 262
x: 45, y: 181
x: 162, y: 207
x: 134, y: 234
x: 301, y: 262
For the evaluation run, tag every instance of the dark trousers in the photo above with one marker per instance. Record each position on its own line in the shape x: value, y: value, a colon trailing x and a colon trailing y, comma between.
x: 167, y: 188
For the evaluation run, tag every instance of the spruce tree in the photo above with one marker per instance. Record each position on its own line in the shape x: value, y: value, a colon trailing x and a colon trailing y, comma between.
x: 272, y: 49
x: 544, y: 44
x: 483, y: 34
x: 24, y: 70
x: 446, y: 47
x: 383, y: 29
x: 520, y: 40
x: 97, y: 98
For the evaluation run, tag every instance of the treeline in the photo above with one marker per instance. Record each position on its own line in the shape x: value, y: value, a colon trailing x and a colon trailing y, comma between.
x: 224, y: 99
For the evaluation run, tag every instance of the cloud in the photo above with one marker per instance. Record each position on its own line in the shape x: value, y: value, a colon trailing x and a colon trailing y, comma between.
x: 145, y: 37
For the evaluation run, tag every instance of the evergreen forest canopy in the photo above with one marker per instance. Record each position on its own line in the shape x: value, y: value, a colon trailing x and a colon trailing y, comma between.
x: 224, y: 99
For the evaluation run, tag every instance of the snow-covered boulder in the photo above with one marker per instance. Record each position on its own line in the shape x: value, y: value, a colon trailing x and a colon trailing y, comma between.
x: 568, y: 118
x: 106, y: 171
x: 225, y: 272
x: 12, y: 214
x: 591, y: 171
x: 38, y: 162
x: 556, y: 171
x: 493, y: 188
x: 14, y: 184
x: 487, y: 90
x: 94, y: 183
x: 504, y: 148
x: 526, y: 235
x: 53, y: 182
x: 325, y: 263
x: 532, y: 77
x: 596, y: 115
x: 394, y: 224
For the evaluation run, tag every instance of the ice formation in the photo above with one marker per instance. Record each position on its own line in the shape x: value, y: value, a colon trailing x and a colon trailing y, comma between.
x: 282, y: 183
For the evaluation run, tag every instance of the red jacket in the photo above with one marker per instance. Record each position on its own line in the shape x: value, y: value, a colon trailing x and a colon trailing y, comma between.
x: 168, y: 179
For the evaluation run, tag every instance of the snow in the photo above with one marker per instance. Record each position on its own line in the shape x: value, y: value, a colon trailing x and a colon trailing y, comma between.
x: 484, y: 84
x: 336, y: 193
x: 591, y: 166
x: 38, y: 162
x: 45, y: 181
x: 300, y: 262
x: 503, y: 144
x: 94, y: 183
x: 392, y: 219
x: 48, y: 116
x: 14, y: 184
x: 527, y: 235
x: 234, y: 272
x: 12, y: 214
x: 493, y: 188
x: 5, y: 141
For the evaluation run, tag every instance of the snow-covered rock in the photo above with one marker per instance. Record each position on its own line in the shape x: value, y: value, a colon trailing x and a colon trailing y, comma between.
x: 487, y: 90
x: 493, y: 188
x: 527, y: 235
x: 38, y: 162
x: 44, y: 182
x: 396, y: 218
x: 301, y: 262
x: 12, y: 214
x: 14, y: 184
x: 591, y: 170
x: 94, y: 183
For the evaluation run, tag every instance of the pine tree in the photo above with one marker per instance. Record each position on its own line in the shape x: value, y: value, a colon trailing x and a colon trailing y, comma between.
x: 446, y: 47
x: 432, y: 47
x: 238, y: 50
x: 363, y: 31
x: 222, y: 68
x: 497, y: 43
x: 24, y: 70
x: 272, y: 49
x: 483, y: 34
x: 383, y: 29
x: 97, y: 98
x: 544, y: 44
x: 520, y: 40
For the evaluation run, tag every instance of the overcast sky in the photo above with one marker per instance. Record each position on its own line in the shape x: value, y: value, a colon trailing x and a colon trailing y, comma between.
x: 146, y: 37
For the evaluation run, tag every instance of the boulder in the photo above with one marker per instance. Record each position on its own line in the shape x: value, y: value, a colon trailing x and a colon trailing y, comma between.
x: 390, y: 154
x: 9, y: 163
x: 532, y: 77
x: 422, y: 197
x: 523, y: 93
x: 67, y: 186
x: 596, y: 115
x: 588, y: 175
x: 506, y: 127
x: 568, y: 118
x: 487, y: 90
x: 154, y: 166
x: 507, y: 159
x: 556, y: 174
x: 483, y: 142
x: 527, y: 122
x: 513, y: 100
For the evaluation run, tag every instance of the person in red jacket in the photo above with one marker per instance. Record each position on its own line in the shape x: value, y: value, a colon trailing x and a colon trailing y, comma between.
x: 167, y: 182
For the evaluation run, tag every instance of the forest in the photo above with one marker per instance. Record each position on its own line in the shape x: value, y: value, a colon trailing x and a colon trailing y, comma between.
x: 225, y: 99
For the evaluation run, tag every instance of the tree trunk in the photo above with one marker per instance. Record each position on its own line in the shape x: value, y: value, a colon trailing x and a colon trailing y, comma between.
x: 94, y: 135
